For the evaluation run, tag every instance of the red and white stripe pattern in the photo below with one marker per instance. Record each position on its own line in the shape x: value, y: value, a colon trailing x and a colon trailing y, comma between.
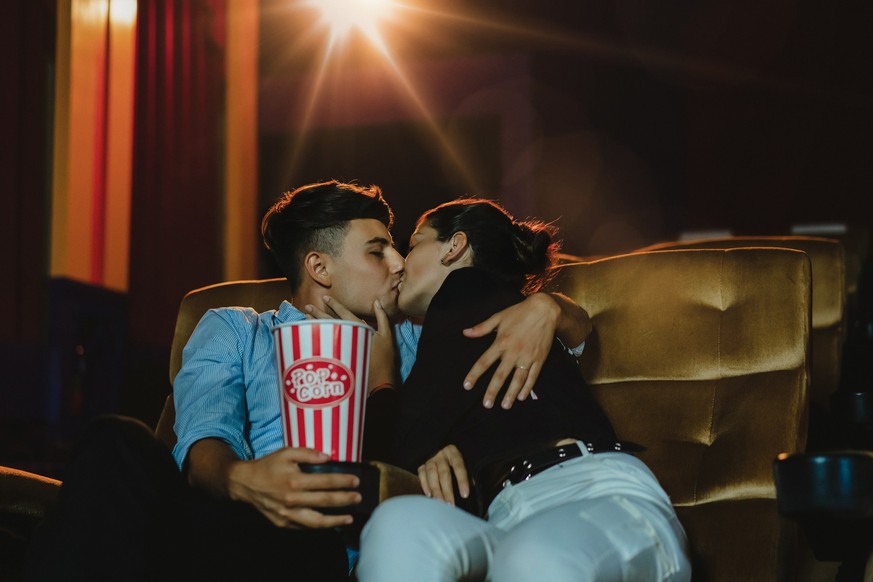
x: 322, y: 366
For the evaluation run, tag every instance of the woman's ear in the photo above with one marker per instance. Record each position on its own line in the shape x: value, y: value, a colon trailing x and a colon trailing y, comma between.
x: 458, y: 247
x: 317, y: 268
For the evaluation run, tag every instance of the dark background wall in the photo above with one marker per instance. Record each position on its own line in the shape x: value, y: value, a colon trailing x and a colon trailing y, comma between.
x: 627, y: 122
x: 645, y: 119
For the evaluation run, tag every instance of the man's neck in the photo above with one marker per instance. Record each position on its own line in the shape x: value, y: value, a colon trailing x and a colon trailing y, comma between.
x: 308, y: 295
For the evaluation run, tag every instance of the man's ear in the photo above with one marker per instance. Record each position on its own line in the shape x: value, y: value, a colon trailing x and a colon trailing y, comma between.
x: 458, y: 248
x: 317, y: 268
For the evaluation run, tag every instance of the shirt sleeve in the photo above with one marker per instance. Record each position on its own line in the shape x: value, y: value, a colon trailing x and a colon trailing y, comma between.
x: 209, y: 390
x: 575, y: 352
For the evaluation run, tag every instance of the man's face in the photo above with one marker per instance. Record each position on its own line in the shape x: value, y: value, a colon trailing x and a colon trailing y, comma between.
x: 368, y: 268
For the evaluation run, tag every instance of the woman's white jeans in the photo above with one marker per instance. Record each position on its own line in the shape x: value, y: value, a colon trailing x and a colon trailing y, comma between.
x: 600, y: 517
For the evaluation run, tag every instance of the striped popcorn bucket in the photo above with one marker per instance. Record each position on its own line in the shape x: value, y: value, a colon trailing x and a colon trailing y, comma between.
x: 322, y: 366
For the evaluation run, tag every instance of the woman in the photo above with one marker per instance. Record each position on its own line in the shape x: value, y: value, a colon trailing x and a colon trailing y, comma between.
x: 559, y: 496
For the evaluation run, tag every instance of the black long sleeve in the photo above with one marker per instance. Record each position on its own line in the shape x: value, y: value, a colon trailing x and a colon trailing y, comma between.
x: 380, y: 426
x: 435, y: 410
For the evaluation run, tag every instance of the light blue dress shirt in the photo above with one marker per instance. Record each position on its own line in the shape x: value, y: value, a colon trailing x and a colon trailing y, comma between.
x: 227, y: 387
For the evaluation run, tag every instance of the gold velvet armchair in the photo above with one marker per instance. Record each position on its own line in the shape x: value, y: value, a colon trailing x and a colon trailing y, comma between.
x: 702, y: 356
x: 835, y: 273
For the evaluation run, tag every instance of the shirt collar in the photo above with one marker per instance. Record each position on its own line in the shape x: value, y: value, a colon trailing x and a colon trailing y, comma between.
x: 287, y: 313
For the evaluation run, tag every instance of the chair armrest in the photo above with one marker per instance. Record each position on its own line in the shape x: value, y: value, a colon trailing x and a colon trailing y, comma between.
x: 394, y: 481
x: 26, y: 494
x: 25, y: 499
x: 830, y: 495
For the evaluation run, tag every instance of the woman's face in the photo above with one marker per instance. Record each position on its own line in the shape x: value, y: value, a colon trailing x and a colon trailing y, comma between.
x: 424, y: 273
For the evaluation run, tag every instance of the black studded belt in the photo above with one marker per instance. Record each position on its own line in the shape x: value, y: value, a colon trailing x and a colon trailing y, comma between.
x: 491, y: 479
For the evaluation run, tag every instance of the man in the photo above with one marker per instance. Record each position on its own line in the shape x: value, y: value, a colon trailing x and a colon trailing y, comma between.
x: 250, y: 510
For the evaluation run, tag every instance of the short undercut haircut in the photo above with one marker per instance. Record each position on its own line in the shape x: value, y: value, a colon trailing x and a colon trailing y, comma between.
x: 316, y: 217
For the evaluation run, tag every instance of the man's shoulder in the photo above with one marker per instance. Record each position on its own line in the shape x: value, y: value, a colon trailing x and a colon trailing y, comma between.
x: 236, y: 315
x: 222, y: 327
x: 245, y: 318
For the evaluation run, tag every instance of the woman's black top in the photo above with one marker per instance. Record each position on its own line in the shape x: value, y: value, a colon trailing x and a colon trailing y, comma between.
x: 435, y: 410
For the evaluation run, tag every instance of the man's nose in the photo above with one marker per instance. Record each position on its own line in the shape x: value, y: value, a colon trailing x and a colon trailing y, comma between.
x: 398, y: 264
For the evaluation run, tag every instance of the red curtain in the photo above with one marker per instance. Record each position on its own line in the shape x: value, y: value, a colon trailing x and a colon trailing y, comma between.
x: 177, y: 177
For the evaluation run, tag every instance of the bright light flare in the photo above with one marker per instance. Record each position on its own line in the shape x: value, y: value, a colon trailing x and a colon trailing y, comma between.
x: 342, y: 16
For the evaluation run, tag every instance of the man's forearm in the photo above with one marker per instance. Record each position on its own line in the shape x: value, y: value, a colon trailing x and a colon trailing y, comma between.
x: 209, y: 464
x: 574, y: 324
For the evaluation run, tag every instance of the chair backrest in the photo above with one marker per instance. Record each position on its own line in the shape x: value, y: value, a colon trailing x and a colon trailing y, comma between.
x: 829, y: 304
x: 702, y: 357
x: 260, y: 295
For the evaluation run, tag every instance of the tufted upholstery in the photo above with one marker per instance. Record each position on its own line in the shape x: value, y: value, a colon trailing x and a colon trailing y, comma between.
x: 702, y: 356
x: 829, y: 306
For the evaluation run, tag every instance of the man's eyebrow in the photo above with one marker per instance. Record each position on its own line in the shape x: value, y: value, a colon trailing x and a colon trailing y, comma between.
x: 379, y: 240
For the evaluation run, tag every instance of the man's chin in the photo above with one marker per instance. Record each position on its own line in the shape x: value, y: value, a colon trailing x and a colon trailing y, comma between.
x: 391, y: 309
x: 393, y: 314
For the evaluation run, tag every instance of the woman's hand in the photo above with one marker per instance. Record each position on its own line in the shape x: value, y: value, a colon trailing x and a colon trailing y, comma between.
x: 382, y: 349
x: 435, y: 475
x: 525, y: 332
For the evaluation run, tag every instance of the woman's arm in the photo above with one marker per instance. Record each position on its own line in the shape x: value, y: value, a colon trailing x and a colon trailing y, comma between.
x: 525, y: 332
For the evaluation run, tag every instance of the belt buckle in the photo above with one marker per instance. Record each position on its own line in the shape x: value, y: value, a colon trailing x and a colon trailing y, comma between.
x: 536, y: 463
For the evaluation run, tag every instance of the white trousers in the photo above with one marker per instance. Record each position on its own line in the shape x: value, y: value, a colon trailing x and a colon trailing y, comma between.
x: 599, y: 517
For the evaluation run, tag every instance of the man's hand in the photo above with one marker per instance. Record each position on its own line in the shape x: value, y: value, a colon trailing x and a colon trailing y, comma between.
x: 290, y: 498
x: 274, y: 484
x: 382, y: 350
x: 435, y: 475
x: 525, y: 332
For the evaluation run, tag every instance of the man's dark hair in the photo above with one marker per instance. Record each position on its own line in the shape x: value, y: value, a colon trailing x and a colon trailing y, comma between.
x: 316, y: 217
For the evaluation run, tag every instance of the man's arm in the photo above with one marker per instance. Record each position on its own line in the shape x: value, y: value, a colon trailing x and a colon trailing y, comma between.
x: 525, y: 333
x: 274, y: 484
x: 206, y: 426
